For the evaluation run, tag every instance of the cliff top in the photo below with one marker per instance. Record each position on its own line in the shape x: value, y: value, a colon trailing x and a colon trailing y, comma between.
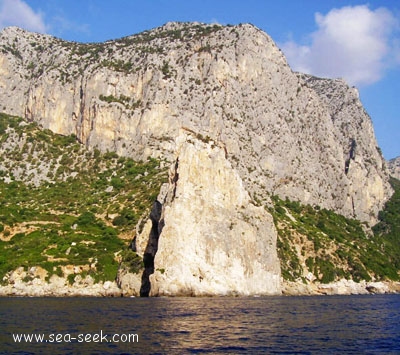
x: 40, y: 51
x: 173, y: 30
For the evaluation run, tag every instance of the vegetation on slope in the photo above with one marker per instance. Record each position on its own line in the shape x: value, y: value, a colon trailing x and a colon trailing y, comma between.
x: 61, y: 204
x: 123, y: 55
x: 327, y: 246
x: 388, y: 228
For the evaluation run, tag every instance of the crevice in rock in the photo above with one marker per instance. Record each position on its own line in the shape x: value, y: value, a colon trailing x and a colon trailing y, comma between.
x: 151, y: 248
x: 353, y: 146
x: 353, y: 206
x: 347, y: 166
x: 352, y: 155
x: 175, y: 178
x: 28, y: 112
x: 81, y: 118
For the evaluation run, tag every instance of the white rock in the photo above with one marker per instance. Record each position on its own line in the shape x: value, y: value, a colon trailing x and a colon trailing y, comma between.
x: 214, y: 241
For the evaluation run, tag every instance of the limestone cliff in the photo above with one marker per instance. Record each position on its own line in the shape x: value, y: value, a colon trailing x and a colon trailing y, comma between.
x: 364, y: 166
x: 394, y: 167
x: 221, y: 106
x: 285, y: 134
x: 212, y: 238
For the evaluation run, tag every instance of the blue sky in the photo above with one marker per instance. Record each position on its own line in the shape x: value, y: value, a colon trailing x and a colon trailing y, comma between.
x: 356, y: 40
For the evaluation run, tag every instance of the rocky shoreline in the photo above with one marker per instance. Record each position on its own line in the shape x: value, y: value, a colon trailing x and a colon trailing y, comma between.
x: 59, y: 287
x: 341, y: 287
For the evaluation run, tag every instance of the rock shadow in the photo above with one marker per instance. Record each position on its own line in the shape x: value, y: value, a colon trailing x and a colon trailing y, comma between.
x: 151, y: 248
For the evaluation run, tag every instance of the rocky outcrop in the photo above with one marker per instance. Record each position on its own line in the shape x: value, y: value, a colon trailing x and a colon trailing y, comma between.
x: 129, y: 283
x: 33, y: 283
x: 341, y: 287
x: 394, y: 167
x: 211, y: 238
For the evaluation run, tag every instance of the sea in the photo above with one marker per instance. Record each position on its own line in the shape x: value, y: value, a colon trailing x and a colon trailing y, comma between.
x: 359, y: 324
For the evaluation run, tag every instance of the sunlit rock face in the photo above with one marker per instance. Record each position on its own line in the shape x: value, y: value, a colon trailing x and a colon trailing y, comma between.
x: 222, y: 107
x: 213, y: 239
x: 288, y: 134
x: 394, y: 167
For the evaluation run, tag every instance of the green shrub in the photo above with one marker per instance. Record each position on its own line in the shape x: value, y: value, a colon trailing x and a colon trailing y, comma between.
x: 132, y: 261
x: 127, y: 217
x: 86, y: 218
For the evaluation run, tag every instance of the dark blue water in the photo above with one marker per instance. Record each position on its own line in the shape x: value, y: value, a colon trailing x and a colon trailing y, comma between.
x: 271, y: 325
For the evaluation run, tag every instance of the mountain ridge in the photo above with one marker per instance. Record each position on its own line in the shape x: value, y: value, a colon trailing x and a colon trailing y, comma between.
x: 189, y: 92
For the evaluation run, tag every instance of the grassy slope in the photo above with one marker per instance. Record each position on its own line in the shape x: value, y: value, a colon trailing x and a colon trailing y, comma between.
x: 61, y: 204
x: 331, y: 246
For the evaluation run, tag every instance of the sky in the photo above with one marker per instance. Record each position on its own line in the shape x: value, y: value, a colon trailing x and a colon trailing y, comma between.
x: 355, y: 40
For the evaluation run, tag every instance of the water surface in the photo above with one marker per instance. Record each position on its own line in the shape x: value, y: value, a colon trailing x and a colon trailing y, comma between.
x: 291, y: 325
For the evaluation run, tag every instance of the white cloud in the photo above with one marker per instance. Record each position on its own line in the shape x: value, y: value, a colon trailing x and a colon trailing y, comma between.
x: 352, y: 42
x: 18, y: 13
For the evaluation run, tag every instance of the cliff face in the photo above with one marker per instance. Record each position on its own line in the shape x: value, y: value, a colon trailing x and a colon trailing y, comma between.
x: 394, y: 167
x: 297, y: 137
x: 222, y: 106
x: 364, y: 166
